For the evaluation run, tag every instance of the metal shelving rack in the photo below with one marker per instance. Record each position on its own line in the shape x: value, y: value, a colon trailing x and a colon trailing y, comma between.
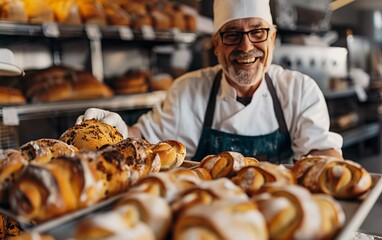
x: 55, y: 34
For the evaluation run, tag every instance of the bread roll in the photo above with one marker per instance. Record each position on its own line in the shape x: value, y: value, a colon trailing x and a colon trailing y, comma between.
x: 86, y: 86
x: 161, y: 82
x: 91, y: 12
x: 91, y: 135
x: 116, y: 15
x: 160, y: 20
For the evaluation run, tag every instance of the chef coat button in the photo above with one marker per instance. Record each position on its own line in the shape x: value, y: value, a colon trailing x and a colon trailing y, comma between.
x: 265, y: 95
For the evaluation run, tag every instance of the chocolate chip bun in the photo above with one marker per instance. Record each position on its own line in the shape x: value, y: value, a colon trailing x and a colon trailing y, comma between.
x: 91, y: 135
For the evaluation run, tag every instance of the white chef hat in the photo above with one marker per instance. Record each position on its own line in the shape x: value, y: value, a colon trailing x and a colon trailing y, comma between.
x: 227, y: 10
x: 7, y: 65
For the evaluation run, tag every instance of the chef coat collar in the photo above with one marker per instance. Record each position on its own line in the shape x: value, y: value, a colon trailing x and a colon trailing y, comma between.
x: 228, y: 91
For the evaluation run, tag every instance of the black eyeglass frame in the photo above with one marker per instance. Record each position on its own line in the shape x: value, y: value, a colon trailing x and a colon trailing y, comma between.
x: 246, y: 33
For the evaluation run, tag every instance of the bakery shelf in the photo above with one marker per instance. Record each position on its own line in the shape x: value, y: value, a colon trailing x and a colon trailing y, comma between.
x: 116, y: 103
x: 79, y: 31
x: 360, y: 133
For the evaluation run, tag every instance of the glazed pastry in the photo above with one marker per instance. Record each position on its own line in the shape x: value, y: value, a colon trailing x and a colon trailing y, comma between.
x: 158, y: 218
x: 225, y: 164
x: 58, y: 187
x: 168, y: 184
x: 339, y: 178
x: 202, y: 173
x: 332, y: 213
x: 11, y: 164
x: 206, y: 193
x: 171, y: 153
x: 113, y: 225
x: 252, y: 178
x: 91, y: 135
x: 221, y: 220
x: 290, y: 212
x: 41, y: 151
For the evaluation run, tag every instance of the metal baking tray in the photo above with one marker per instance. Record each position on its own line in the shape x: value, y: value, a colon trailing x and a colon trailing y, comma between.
x: 28, y: 225
x: 63, y: 227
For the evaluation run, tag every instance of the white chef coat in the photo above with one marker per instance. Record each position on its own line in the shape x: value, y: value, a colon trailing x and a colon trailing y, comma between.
x: 180, y: 116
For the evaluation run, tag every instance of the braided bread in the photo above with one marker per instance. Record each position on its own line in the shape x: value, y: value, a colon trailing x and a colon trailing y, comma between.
x: 207, y: 192
x: 289, y: 210
x: 167, y: 184
x: 226, y: 219
x: 252, y: 178
x: 225, y: 164
x: 138, y: 155
x: 8, y: 227
x: 58, y: 187
x: 339, y: 178
x: 43, y: 150
x: 11, y: 163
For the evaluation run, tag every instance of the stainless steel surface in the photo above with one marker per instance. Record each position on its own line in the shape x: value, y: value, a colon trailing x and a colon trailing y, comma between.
x: 320, y: 63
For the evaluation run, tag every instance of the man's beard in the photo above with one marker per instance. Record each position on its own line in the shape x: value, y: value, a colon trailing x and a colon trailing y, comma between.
x: 246, y: 77
x: 242, y: 77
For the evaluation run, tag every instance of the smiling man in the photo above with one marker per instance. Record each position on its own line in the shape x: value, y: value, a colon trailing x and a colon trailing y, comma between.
x: 244, y: 104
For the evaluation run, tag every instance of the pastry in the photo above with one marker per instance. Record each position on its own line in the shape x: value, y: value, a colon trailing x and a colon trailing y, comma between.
x: 91, y: 135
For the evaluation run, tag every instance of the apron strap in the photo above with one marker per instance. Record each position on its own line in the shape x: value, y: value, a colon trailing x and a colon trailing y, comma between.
x: 210, y: 110
x: 276, y: 105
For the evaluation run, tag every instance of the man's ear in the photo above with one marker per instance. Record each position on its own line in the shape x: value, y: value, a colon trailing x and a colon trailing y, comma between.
x: 215, y: 43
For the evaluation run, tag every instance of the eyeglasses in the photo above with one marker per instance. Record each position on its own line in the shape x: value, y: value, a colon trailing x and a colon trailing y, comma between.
x: 255, y: 36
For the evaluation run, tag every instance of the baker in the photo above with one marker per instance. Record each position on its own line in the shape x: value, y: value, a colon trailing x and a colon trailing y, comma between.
x: 245, y: 103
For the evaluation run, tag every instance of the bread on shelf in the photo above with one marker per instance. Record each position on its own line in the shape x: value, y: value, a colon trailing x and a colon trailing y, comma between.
x: 11, y: 96
x: 13, y: 11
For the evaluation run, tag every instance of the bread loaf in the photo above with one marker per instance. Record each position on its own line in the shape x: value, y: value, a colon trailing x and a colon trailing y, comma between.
x: 171, y: 153
x: 116, y: 15
x: 38, y: 11
x: 336, y: 177
x: 13, y: 10
x: 91, y: 135
x: 91, y: 12
x: 11, y: 96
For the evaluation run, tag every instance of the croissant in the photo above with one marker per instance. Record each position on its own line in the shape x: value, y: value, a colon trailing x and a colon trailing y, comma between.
x: 339, y: 178
x: 43, y: 150
x: 225, y: 164
x: 58, y: 187
x: 225, y: 219
x: 206, y: 193
x: 252, y: 178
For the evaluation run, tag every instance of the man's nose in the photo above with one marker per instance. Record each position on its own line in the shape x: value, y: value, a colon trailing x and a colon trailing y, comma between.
x: 245, y: 43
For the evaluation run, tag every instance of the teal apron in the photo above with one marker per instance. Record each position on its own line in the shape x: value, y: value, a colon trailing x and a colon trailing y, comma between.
x: 274, y: 147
